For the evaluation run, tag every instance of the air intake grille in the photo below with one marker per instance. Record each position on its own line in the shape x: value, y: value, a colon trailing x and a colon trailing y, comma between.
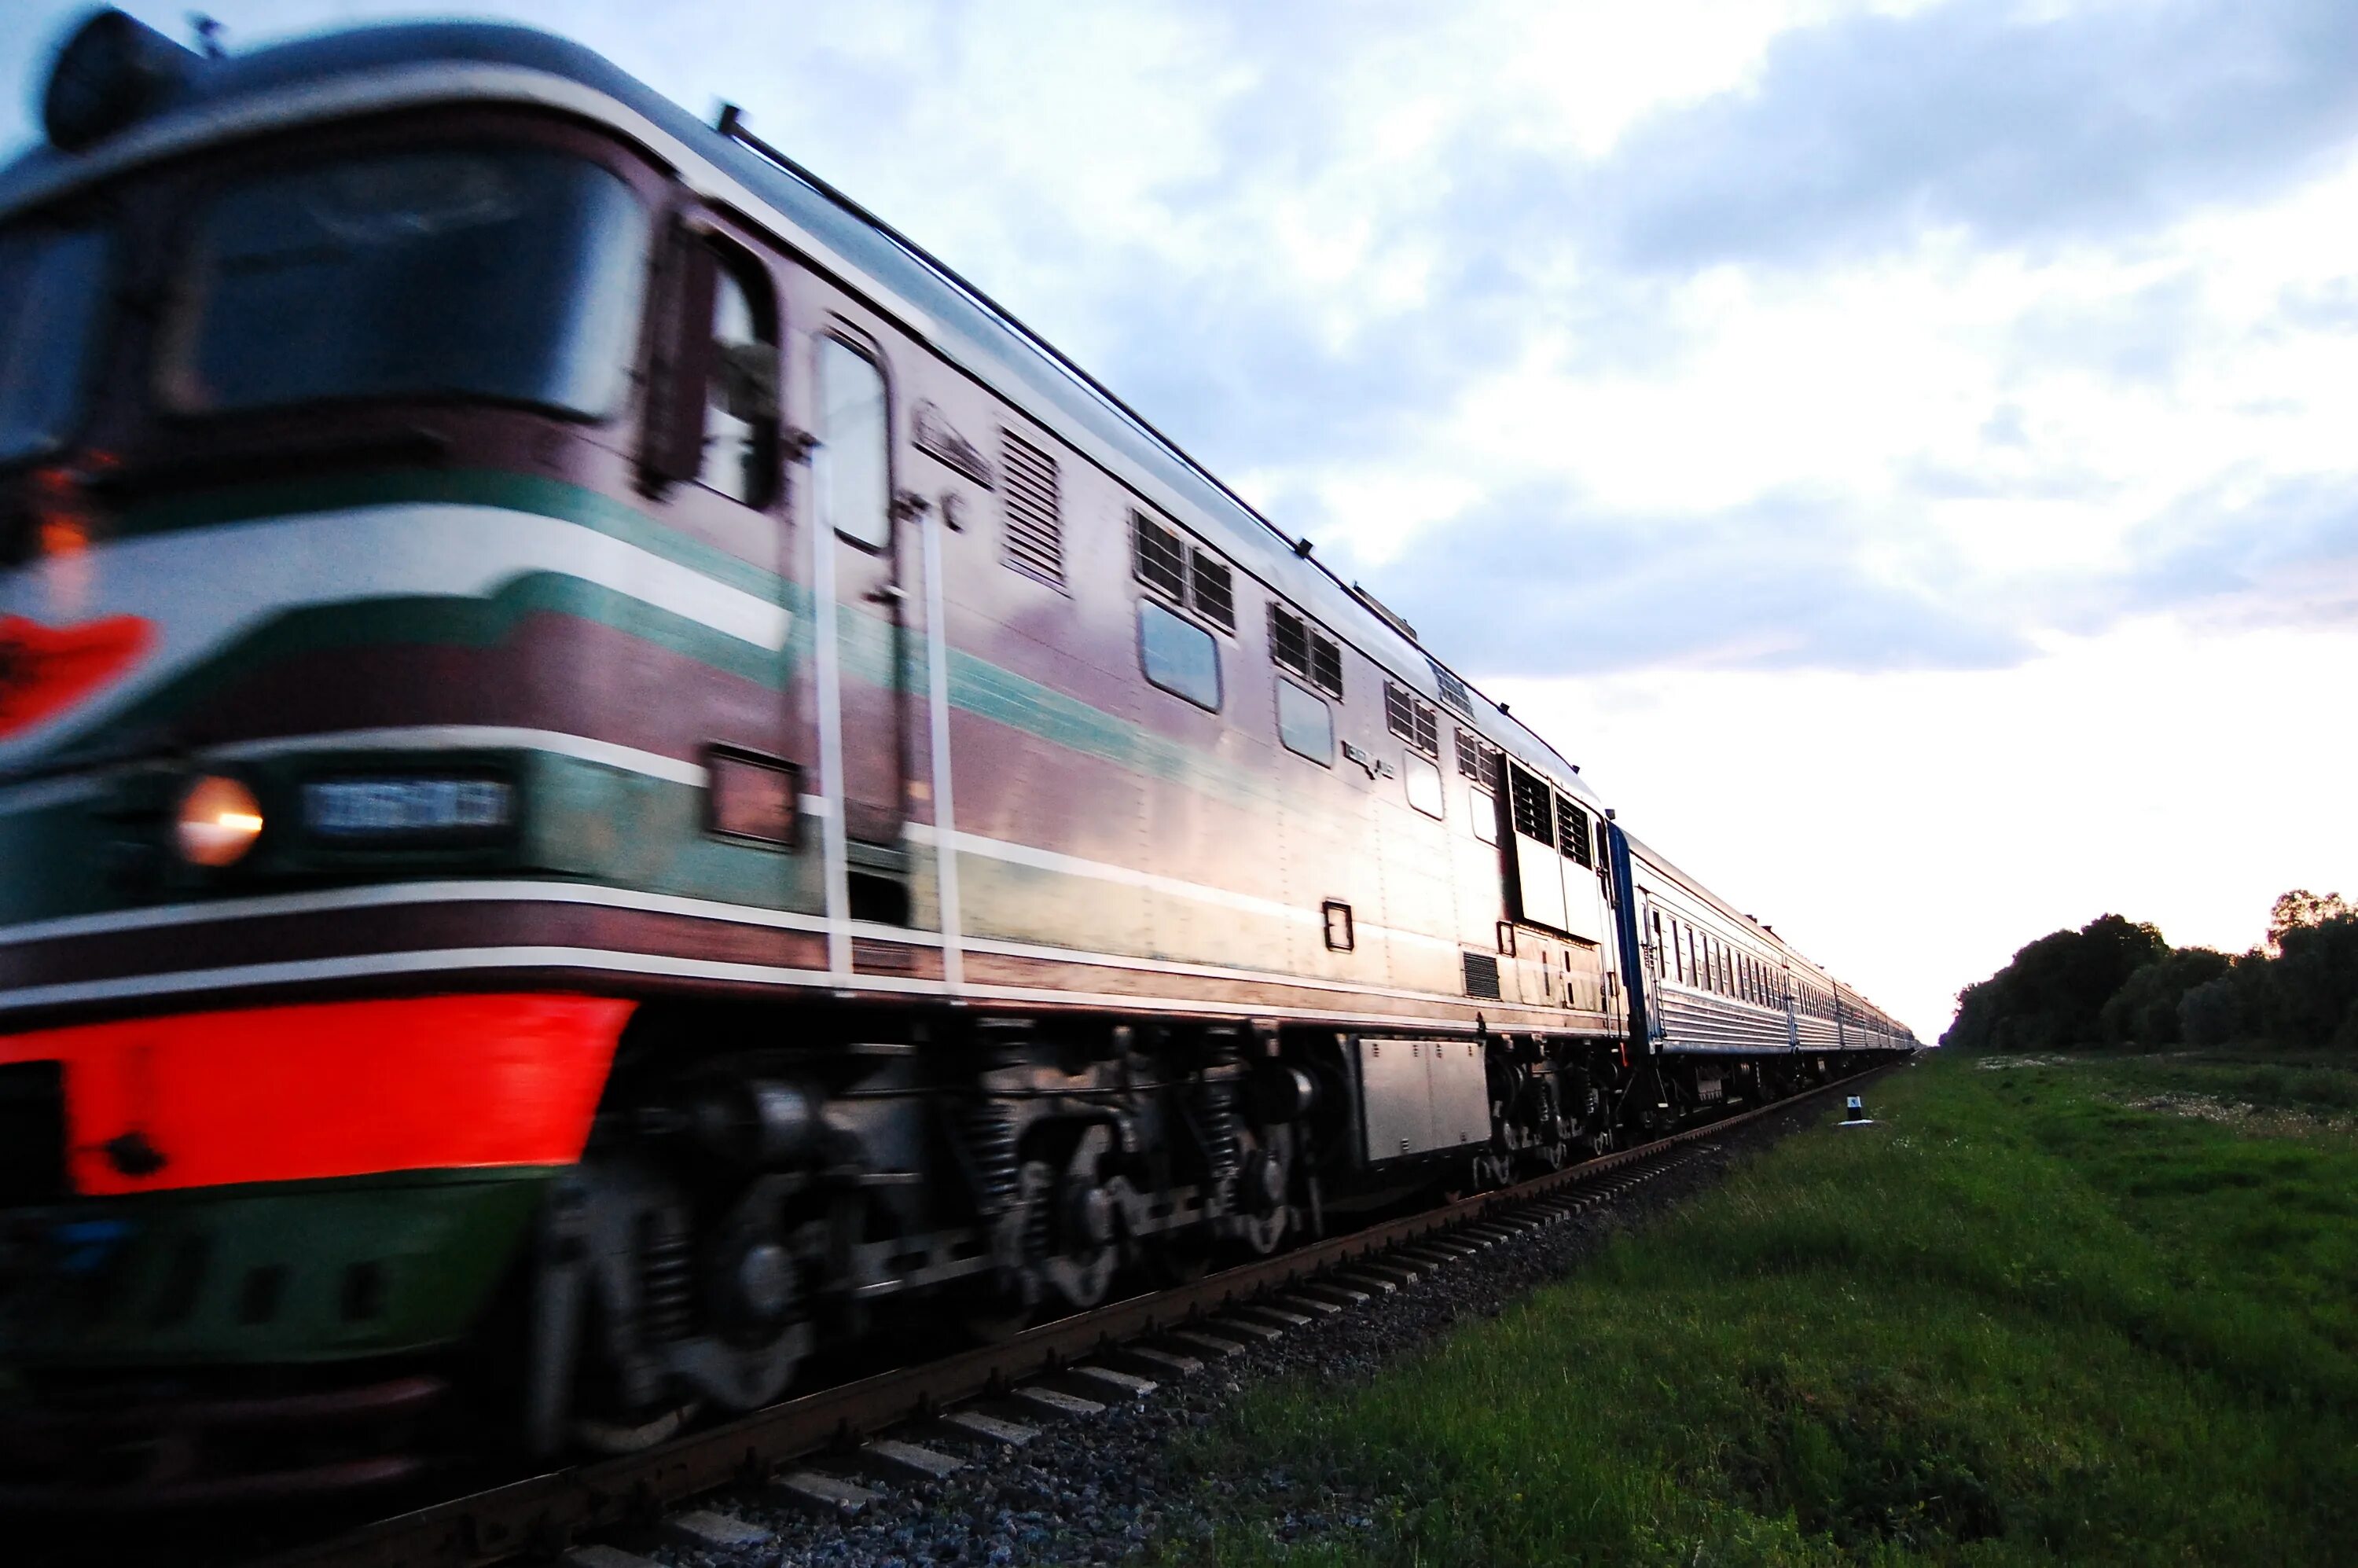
x: 1161, y: 558
x: 32, y: 1133
x: 1183, y: 572
x: 1482, y: 976
x: 1452, y: 690
x: 1036, y: 533
x: 1571, y: 832
x: 1325, y: 665
x: 1534, y: 807
x: 1412, y: 720
x: 1213, y: 589
x: 1479, y: 760
x: 1297, y: 644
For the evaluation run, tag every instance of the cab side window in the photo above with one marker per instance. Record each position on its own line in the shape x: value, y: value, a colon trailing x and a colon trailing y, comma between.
x: 740, y: 406
x: 855, y: 474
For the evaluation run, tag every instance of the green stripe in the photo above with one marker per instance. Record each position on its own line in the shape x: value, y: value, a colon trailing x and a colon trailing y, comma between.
x: 168, y: 1287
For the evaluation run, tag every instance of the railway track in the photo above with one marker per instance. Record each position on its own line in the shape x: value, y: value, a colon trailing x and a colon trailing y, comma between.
x: 542, y: 1516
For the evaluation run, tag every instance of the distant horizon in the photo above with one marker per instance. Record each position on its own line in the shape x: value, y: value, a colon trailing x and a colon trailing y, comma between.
x: 1898, y: 450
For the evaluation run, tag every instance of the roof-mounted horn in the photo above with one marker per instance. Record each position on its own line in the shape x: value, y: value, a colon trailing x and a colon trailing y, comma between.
x: 112, y: 72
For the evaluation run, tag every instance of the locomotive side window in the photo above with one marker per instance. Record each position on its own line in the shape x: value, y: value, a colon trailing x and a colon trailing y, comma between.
x: 53, y: 283
x: 1424, y: 779
x: 1178, y: 656
x: 1296, y: 644
x: 740, y: 412
x: 1304, y: 723
x: 513, y: 273
x: 853, y: 479
x: 1481, y: 809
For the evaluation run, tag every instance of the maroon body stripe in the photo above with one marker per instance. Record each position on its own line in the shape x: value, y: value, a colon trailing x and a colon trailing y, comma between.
x: 551, y: 672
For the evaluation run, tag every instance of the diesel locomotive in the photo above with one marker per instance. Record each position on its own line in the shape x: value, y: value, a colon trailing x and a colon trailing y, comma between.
x: 612, y: 785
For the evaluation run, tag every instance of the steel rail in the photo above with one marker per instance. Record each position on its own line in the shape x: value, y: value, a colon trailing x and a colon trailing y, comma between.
x: 544, y: 1514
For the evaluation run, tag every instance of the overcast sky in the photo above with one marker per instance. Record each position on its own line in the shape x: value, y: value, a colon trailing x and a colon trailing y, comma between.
x: 1908, y: 454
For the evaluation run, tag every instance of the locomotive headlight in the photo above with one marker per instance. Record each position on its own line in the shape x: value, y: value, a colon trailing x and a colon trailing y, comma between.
x: 219, y: 821
x: 393, y: 813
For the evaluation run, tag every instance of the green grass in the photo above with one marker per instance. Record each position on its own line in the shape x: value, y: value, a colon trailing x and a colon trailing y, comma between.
x: 2015, y: 1321
x: 2321, y: 1086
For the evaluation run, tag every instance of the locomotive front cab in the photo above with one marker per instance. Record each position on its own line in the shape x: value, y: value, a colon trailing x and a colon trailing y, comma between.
x: 356, y: 602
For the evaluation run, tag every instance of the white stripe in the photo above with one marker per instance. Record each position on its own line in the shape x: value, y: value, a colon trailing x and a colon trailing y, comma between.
x: 201, y: 587
x: 599, y: 961
x: 471, y: 737
x: 395, y: 895
x: 45, y: 792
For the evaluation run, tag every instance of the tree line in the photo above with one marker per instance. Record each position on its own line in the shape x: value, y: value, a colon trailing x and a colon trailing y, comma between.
x: 2118, y: 982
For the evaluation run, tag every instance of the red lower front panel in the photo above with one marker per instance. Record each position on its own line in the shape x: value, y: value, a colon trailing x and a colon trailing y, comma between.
x: 332, y: 1089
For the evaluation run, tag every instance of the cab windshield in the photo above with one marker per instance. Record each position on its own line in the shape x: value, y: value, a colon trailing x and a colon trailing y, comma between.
x: 53, y: 285
x: 512, y: 274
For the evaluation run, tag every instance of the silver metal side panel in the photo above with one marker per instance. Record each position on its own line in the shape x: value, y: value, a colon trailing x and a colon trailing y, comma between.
x: 1460, y: 1094
x: 1584, y: 902
x: 1419, y: 1096
x: 1539, y: 879
x: 1701, y: 1022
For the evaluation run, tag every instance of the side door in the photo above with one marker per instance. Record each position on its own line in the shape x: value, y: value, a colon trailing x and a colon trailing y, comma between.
x: 720, y: 677
x: 868, y: 597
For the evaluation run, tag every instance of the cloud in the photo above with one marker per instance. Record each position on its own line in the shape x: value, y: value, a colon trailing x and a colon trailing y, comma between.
x: 1836, y: 338
x: 2011, y: 126
x: 2270, y: 550
x: 1525, y: 586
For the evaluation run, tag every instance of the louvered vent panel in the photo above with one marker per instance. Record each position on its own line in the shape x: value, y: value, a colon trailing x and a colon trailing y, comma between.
x: 1482, y: 976
x: 1162, y: 557
x: 1035, y: 535
x: 1410, y: 719
x: 1452, y: 690
x: 1288, y: 641
x: 1325, y: 665
x: 1399, y: 718
x: 1534, y: 807
x: 1214, y: 590
x: 1471, y: 753
x: 1571, y: 832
